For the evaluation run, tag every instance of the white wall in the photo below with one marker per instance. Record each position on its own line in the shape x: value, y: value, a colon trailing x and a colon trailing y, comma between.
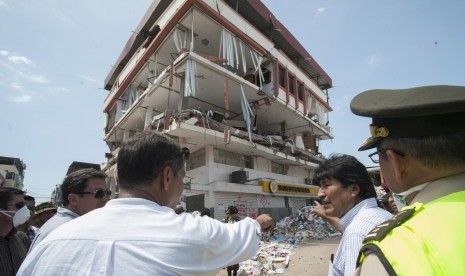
x: 264, y: 201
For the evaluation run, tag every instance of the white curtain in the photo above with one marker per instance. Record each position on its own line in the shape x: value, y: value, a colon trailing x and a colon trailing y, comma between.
x: 191, y: 85
x: 321, y: 112
x: 247, y: 113
x: 228, y: 48
x: 257, y: 61
x: 180, y: 39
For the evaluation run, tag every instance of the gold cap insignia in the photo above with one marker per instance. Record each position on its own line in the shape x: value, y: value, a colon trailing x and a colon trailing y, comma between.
x: 379, y: 131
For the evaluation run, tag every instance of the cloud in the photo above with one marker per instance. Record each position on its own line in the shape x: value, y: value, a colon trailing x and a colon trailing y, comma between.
x: 90, y: 79
x: 375, y: 61
x: 20, y: 99
x: 17, y: 86
x: 16, y: 59
x: 2, y: 4
x: 35, y: 78
x: 62, y: 17
x: 319, y: 11
x: 55, y: 90
x: 20, y: 59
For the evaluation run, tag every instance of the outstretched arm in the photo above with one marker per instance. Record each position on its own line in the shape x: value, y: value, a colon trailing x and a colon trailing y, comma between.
x: 319, y: 211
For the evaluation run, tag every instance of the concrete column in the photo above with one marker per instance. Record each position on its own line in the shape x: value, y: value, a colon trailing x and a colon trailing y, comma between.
x: 148, y: 118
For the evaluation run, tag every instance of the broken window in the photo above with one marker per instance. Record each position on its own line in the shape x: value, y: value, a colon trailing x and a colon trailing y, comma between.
x: 196, y: 159
x: 232, y: 158
x: 282, y: 77
x: 278, y: 168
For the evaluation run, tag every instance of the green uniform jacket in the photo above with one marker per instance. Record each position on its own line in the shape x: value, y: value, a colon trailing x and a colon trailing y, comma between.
x: 423, y: 239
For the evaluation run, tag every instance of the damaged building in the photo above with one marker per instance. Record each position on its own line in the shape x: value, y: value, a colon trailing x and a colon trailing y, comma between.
x: 227, y: 80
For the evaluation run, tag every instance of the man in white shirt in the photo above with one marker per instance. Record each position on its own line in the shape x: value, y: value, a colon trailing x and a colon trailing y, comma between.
x: 139, y: 233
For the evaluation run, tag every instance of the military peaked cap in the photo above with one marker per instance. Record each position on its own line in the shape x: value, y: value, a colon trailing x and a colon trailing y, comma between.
x: 413, y: 112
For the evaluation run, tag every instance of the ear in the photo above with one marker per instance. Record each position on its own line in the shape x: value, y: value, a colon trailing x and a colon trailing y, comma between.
x: 398, y: 165
x: 73, y: 199
x: 166, y: 177
x: 355, y: 190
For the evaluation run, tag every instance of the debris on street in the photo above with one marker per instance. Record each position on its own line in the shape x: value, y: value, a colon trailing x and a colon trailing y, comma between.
x: 275, y: 251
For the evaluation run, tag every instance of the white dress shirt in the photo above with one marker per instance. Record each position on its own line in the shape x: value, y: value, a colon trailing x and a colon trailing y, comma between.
x: 133, y: 236
x: 62, y: 216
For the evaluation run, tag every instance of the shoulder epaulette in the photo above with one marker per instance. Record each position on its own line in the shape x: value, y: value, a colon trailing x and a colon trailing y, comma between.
x: 381, y: 230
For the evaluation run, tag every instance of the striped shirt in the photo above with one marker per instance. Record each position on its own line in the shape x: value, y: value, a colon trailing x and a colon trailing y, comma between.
x: 13, y: 250
x: 357, y: 223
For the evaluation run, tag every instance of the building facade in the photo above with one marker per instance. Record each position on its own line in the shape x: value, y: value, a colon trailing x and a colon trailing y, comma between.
x: 12, y: 172
x: 230, y: 82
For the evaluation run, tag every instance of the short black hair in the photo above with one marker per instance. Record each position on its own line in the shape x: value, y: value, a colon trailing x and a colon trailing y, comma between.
x: 143, y: 156
x: 232, y: 210
x: 347, y: 170
x: 76, y: 182
x: 28, y: 197
x: 205, y: 212
x: 6, y: 194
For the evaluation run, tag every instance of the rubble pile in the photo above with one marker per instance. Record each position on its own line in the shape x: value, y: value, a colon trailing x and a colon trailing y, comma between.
x: 276, y: 248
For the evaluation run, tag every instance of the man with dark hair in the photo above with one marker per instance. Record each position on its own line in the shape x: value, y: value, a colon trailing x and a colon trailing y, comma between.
x: 81, y: 192
x: 139, y: 231
x: 232, y: 217
x: 13, y: 244
x: 419, y: 139
x: 206, y: 212
x: 346, y: 192
x: 179, y: 209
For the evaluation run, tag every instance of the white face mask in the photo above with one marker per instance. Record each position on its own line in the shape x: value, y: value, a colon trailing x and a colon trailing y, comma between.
x: 20, y: 216
x: 399, y: 198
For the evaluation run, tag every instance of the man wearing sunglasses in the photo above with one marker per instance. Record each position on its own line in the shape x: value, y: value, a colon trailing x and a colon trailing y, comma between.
x: 81, y: 192
x: 418, y: 135
x: 139, y: 233
x: 13, y: 244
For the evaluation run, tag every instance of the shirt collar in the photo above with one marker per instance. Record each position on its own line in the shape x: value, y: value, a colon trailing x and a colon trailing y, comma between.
x: 440, y: 187
x: 349, y: 216
x: 66, y: 212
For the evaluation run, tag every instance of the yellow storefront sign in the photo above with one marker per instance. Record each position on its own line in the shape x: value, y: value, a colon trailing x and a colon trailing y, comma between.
x: 271, y: 186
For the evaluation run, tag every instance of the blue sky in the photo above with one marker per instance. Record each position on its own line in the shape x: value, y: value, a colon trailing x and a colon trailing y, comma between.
x: 55, y: 55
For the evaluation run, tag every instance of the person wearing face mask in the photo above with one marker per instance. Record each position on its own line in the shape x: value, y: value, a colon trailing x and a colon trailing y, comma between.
x: 419, y: 139
x: 13, y: 244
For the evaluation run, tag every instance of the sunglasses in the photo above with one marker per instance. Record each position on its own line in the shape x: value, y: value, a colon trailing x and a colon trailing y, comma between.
x: 98, y: 193
x: 18, y: 205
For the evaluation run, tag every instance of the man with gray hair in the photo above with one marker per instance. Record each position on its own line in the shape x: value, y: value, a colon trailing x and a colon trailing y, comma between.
x: 419, y: 139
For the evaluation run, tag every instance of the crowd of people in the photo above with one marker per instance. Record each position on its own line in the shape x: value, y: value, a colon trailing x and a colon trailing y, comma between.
x: 419, y: 138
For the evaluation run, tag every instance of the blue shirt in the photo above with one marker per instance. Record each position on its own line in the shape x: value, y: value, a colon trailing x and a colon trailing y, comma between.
x: 357, y: 223
x: 62, y: 216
